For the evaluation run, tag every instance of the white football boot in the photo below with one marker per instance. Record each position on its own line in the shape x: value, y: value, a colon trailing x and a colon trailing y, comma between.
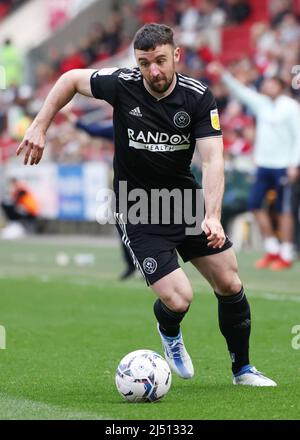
x: 176, y: 355
x: 249, y: 375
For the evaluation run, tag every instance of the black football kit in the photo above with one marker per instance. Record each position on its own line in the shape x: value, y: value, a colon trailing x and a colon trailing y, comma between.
x: 154, y: 145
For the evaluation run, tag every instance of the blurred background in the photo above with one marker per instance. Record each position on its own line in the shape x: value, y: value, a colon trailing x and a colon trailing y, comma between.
x: 41, y: 39
x: 68, y: 318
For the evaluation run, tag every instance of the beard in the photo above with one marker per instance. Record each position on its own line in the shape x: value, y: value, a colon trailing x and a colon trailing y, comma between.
x: 160, y: 85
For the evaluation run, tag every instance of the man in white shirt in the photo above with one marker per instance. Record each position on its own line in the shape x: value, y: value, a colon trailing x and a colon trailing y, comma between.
x: 277, y: 157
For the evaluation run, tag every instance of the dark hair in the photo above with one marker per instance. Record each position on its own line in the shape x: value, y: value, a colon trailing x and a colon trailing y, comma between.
x: 152, y: 35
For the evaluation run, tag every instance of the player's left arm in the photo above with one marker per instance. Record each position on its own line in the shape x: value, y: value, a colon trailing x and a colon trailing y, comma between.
x: 211, y: 153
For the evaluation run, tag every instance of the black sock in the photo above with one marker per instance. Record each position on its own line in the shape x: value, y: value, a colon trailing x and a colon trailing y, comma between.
x: 169, y: 321
x: 235, y: 326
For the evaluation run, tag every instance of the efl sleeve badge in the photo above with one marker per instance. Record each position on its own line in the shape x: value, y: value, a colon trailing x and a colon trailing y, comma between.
x: 214, y: 119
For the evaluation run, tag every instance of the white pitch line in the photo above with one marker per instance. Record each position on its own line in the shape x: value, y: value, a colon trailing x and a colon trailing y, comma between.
x: 12, y: 408
x: 276, y: 297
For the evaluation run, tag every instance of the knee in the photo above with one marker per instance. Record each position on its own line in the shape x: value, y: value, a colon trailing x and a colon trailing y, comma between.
x: 229, y: 285
x: 178, y: 305
x: 178, y: 300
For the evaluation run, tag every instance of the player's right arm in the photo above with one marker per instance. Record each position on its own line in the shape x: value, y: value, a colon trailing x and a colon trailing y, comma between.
x: 70, y: 83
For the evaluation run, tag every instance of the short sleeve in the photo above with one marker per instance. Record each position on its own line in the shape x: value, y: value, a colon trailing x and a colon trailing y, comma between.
x: 206, y: 118
x: 104, y: 84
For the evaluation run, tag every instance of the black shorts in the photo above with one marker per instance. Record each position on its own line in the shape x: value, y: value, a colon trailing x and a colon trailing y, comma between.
x: 154, y: 248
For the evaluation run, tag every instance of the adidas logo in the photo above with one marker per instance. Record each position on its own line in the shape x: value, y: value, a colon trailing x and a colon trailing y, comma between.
x: 136, y: 112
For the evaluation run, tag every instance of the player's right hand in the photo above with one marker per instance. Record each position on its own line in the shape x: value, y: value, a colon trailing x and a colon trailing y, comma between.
x: 33, y: 145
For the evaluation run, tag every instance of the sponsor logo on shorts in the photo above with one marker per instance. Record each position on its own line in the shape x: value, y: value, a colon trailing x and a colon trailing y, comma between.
x: 149, y: 265
x: 182, y: 119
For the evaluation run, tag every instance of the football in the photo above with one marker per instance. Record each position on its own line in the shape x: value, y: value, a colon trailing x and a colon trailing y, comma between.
x: 143, y: 376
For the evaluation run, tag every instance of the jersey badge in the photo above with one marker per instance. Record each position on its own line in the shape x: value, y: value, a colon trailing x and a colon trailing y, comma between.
x: 214, y: 119
x: 182, y: 119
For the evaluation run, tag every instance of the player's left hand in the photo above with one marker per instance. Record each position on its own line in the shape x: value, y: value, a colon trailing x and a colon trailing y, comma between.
x: 214, y: 232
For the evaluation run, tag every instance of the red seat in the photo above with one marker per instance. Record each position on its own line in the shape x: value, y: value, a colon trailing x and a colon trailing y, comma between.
x: 236, y: 38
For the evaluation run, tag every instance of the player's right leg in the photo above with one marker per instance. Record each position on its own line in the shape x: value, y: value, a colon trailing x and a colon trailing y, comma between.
x: 175, y: 295
x: 152, y: 250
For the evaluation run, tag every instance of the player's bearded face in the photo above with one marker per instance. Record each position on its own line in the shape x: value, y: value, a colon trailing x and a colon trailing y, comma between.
x: 158, y: 66
x: 160, y: 83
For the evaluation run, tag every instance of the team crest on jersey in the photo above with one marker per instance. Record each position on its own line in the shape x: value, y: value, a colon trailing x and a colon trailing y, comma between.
x: 182, y: 119
x: 149, y: 265
x: 214, y: 119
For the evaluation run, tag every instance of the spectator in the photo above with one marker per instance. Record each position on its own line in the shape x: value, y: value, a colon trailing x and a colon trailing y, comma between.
x: 236, y: 11
x: 21, y: 211
x: 11, y: 61
x: 72, y: 60
x: 279, y: 8
x: 277, y: 156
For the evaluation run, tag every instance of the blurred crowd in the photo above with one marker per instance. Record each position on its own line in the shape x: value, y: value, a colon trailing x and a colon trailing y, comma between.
x: 274, y: 49
x: 191, y: 18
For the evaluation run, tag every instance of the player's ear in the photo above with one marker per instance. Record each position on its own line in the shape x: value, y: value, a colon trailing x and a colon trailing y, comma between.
x: 177, y: 54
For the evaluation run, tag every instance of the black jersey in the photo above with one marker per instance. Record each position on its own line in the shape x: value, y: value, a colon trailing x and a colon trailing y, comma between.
x: 155, y: 138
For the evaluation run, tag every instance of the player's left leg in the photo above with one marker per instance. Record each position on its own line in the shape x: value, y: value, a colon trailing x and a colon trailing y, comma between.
x: 221, y: 271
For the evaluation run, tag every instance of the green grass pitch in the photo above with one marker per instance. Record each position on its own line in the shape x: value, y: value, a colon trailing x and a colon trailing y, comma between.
x: 68, y: 327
